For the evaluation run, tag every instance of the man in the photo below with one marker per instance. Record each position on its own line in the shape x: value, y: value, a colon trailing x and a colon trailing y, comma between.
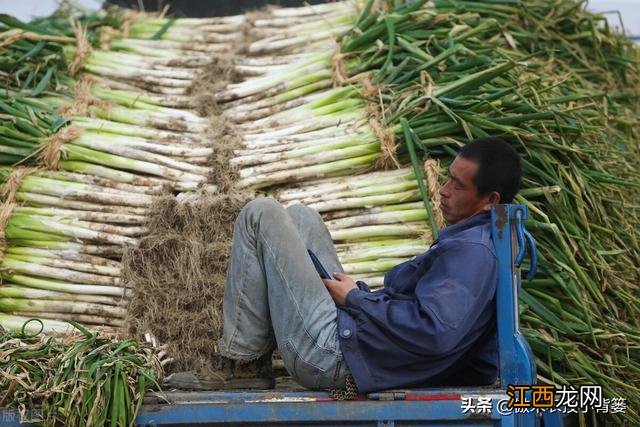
x: 433, y: 323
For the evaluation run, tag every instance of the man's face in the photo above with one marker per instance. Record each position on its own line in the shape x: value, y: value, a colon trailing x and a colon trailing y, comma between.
x: 460, y: 199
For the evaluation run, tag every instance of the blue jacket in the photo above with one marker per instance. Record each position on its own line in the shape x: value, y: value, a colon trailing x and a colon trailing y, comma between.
x: 433, y: 323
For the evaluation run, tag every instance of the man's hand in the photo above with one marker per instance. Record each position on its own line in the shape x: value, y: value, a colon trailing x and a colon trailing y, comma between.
x: 339, y: 288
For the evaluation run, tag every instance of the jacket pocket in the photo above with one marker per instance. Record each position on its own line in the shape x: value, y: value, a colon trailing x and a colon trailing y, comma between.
x: 451, y: 302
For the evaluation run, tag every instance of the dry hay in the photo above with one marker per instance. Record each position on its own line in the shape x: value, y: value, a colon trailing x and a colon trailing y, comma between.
x: 214, y: 77
x: 178, y: 272
x: 225, y: 139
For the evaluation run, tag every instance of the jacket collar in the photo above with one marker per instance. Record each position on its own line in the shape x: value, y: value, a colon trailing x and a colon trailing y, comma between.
x: 473, y: 221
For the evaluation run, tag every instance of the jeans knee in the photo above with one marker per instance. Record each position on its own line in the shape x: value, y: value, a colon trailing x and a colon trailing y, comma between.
x: 259, y: 210
x: 263, y: 205
x: 303, y: 214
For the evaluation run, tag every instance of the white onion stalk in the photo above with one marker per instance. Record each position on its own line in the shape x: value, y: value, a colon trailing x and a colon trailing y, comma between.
x: 20, y: 267
x: 101, y: 182
x: 320, y: 157
x: 168, y: 49
x: 379, y: 218
x: 321, y: 187
x: 84, y: 215
x: 133, y: 149
x: 307, y: 131
x: 260, y: 141
x: 80, y: 153
x: 353, y: 254
x: 49, y: 327
x: 148, y: 102
x: 276, y: 43
x: 259, y: 61
x: 53, y: 306
x: 110, y: 173
x: 193, y: 22
x: 144, y: 62
x: 329, y: 24
x: 343, y: 213
x: 63, y: 286
x: 98, y: 140
x: 313, y: 110
x: 138, y: 77
x: 276, y: 98
x: 314, y: 10
x: 294, y: 150
x: 65, y: 254
x: 87, y: 320
x: 9, y: 291
x: 80, y: 248
x: 84, y: 192
x: 41, y: 200
x: 63, y: 227
x: 233, y: 36
x: 266, y: 107
x: 155, y: 134
x: 374, y: 243
x: 393, y: 187
x: 374, y: 266
x: 134, y: 72
x: 150, y: 119
x: 386, y: 230
x: 67, y: 264
x: 309, y: 70
x: 374, y: 200
x: 341, y: 167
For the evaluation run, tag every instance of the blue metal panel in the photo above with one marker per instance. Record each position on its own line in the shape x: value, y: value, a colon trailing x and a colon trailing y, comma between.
x: 424, y: 407
x: 511, y: 240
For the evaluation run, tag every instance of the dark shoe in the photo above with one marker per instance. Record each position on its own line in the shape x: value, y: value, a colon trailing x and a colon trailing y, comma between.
x: 226, y: 374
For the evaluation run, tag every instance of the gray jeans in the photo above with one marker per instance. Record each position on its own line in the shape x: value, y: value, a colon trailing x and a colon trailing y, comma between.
x: 275, y: 297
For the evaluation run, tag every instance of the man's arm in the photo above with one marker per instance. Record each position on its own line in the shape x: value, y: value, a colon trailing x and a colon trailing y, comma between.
x: 448, y: 299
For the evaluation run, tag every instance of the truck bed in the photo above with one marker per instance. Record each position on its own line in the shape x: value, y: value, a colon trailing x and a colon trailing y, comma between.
x: 292, y: 406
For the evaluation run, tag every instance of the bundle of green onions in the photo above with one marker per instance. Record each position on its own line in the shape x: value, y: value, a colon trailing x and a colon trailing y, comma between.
x: 54, y: 264
x: 119, y: 137
x: 85, y: 379
x: 121, y: 106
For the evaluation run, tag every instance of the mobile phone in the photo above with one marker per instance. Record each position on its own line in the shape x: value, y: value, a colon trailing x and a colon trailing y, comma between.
x: 319, y: 267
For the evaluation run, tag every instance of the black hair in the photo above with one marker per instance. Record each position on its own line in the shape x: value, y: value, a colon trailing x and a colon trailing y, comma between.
x: 499, y: 166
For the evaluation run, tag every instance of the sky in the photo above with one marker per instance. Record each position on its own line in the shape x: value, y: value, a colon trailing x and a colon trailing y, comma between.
x: 27, y: 9
x: 630, y: 10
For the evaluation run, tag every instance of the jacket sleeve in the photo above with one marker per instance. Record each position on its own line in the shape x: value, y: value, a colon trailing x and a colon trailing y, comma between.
x: 448, y: 299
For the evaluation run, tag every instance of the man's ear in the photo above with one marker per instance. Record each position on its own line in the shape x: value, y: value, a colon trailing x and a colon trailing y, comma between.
x: 492, y: 198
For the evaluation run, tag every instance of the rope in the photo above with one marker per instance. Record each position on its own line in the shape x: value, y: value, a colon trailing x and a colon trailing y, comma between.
x: 9, y: 190
x: 109, y: 33
x: 432, y: 172
x: 13, y: 182
x: 83, y: 48
x: 375, y: 110
x: 338, y: 68
x: 52, y: 148
x: 83, y: 99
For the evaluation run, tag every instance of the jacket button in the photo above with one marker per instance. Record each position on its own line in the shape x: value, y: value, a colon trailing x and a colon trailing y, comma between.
x: 346, y: 333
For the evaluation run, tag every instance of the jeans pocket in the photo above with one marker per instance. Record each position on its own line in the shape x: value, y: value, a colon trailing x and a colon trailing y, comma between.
x: 339, y: 374
x: 305, y: 373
